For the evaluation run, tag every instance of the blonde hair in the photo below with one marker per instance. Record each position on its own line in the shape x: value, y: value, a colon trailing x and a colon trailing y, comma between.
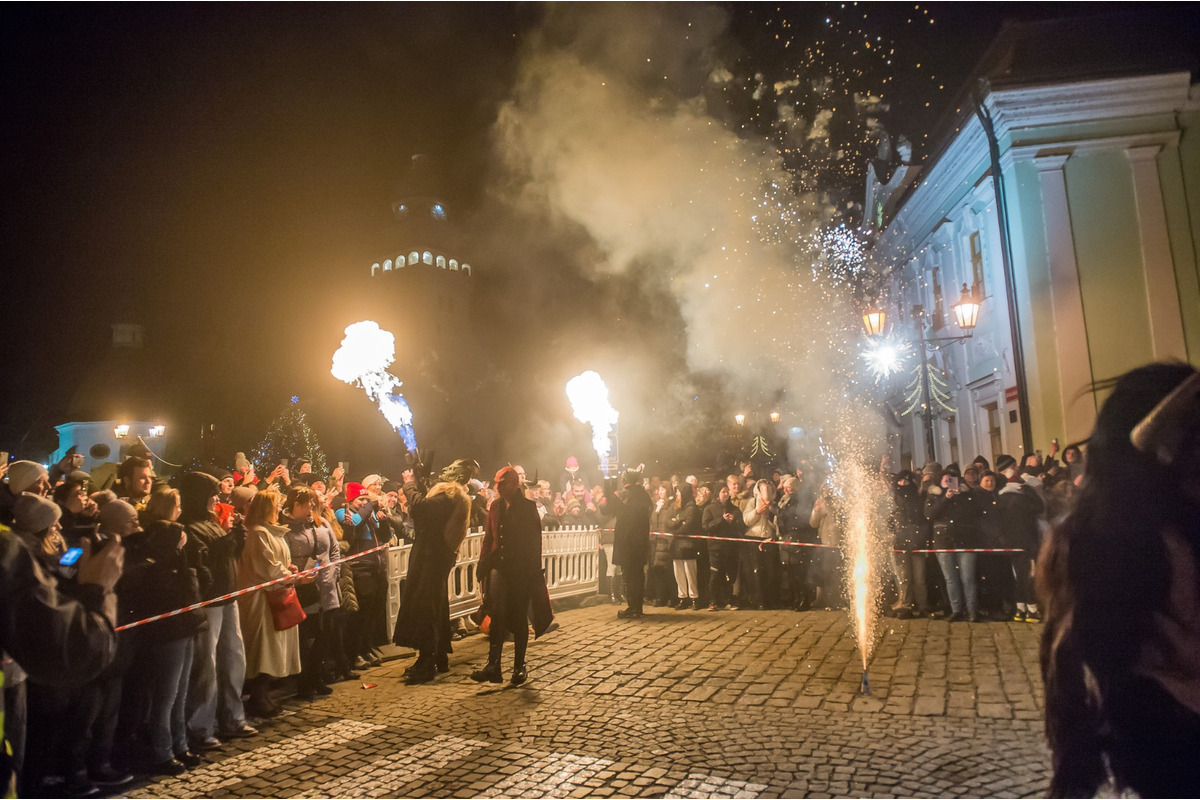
x: 264, y: 508
x: 162, y: 505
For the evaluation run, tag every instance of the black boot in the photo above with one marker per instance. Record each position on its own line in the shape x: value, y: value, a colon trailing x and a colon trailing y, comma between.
x: 422, y: 670
x: 491, y: 673
x: 518, y: 675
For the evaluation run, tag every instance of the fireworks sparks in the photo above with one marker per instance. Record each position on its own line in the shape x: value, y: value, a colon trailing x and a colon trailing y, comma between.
x: 886, y: 356
x: 362, y: 361
x: 589, y: 402
x: 841, y: 254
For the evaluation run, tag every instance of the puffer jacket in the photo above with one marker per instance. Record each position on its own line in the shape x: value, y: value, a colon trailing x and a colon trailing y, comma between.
x: 660, y: 546
x: 347, y: 597
x: 685, y: 525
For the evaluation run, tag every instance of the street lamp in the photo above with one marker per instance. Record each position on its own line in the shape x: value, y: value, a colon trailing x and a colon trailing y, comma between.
x: 158, y: 430
x: 966, y: 313
x: 775, y: 417
x: 740, y: 419
x: 121, y: 431
x: 874, y: 320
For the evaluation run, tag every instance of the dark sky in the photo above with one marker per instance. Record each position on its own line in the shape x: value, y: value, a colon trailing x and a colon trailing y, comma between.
x: 219, y: 173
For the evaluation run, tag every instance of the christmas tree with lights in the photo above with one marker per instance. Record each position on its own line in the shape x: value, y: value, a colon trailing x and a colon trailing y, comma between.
x: 290, y: 436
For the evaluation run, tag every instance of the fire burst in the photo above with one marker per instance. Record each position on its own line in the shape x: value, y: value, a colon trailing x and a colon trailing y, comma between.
x: 589, y: 402
x: 362, y: 360
x: 886, y: 356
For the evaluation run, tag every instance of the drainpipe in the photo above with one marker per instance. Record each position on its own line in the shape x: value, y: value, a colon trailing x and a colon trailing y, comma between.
x: 1010, y: 280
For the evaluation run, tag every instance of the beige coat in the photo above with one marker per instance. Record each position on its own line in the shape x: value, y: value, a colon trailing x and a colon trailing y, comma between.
x: 265, y: 557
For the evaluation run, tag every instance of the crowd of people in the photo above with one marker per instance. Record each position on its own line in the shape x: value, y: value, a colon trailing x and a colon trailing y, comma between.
x: 156, y: 697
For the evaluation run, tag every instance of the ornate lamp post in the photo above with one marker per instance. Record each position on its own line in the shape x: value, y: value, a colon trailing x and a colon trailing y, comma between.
x: 966, y: 314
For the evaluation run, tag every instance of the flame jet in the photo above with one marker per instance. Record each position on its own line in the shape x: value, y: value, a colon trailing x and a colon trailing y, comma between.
x: 589, y: 401
x: 362, y: 360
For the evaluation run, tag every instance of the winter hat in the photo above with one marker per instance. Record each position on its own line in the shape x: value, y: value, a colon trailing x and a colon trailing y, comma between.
x: 574, y: 505
x: 241, y: 496
x: 1004, y: 461
x: 35, y: 513
x: 195, y: 490
x: 307, y: 478
x: 221, y: 474
x: 931, y: 468
x: 23, y: 474
x: 983, y: 462
x: 78, y: 476
x: 390, y: 486
x: 353, y: 490
x: 116, y: 513
x: 371, y: 479
x: 952, y: 469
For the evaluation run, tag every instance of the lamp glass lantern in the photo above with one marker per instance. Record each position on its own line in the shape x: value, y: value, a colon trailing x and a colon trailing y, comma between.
x: 775, y: 417
x: 158, y: 430
x: 121, y: 431
x: 740, y: 419
x: 966, y: 310
x: 874, y: 320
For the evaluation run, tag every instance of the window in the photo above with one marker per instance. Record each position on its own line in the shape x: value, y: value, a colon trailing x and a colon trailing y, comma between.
x: 938, y: 309
x: 454, y: 263
x: 387, y: 265
x: 414, y: 257
x: 952, y: 435
x: 993, y: 424
x: 400, y: 261
x: 441, y: 261
x: 427, y: 258
x: 375, y: 268
x: 438, y: 211
x: 977, y: 266
x: 466, y: 268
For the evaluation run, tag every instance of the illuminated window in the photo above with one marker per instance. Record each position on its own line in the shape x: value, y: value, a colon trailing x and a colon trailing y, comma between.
x: 387, y: 265
x: 400, y: 261
x: 438, y: 211
x: 427, y: 258
x: 441, y: 261
x: 938, y: 311
x: 466, y: 268
x: 454, y: 263
x: 374, y: 268
x: 414, y: 257
x: 977, y: 266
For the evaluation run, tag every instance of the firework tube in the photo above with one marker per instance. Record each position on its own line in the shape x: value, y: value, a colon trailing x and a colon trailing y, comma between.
x: 240, y: 592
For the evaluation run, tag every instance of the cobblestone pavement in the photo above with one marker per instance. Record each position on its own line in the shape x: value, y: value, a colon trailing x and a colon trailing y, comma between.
x: 678, y: 704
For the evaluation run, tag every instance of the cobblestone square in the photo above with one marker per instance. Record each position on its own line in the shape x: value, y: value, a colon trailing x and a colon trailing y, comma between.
x: 678, y: 704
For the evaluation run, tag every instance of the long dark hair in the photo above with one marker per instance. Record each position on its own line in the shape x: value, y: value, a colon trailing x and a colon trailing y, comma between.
x: 1104, y: 572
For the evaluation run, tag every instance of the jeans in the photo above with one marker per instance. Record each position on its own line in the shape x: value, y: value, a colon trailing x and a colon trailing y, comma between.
x: 959, y: 572
x: 170, y: 667
x: 218, y: 673
x: 910, y: 578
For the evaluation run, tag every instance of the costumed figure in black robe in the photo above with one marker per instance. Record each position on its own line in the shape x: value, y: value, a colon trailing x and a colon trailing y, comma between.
x: 631, y: 541
x: 510, y: 562
x: 440, y: 515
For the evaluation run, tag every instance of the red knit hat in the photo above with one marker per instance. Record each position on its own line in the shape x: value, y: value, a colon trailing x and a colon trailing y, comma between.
x: 353, y: 490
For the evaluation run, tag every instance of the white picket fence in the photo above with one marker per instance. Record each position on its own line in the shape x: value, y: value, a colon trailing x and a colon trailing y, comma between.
x: 570, y: 561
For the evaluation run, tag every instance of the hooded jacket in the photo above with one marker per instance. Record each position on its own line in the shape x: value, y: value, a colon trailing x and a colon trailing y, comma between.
x: 212, y: 551
x: 685, y: 525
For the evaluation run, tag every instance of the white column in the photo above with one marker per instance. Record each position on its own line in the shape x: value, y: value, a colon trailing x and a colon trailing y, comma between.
x: 1070, y: 330
x: 1158, y: 267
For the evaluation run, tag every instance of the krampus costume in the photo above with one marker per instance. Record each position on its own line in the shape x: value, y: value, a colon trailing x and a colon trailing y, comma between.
x: 510, y: 562
x: 440, y: 515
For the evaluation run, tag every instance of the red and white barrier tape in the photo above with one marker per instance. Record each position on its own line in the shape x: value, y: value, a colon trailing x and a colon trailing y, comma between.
x: 781, y: 543
x: 240, y: 592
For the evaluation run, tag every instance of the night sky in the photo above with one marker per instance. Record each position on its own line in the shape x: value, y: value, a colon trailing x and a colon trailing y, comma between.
x: 223, y: 175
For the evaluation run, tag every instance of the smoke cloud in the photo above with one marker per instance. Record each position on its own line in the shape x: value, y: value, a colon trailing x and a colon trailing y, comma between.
x: 612, y: 140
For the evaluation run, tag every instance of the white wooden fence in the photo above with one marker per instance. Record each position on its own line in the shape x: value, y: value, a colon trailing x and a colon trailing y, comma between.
x: 570, y: 561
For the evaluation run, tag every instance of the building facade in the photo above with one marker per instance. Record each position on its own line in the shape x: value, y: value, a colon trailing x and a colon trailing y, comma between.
x: 1082, y: 255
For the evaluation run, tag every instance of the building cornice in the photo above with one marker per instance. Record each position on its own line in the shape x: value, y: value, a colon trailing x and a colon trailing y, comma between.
x: 1087, y: 101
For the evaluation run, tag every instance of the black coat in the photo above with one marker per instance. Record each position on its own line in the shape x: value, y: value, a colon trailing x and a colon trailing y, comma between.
x: 424, y: 619
x: 910, y: 529
x: 722, y: 555
x: 685, y: 525
x: 631, y: 537
x: 660, y: 546
x: 163, y: 580
x: 512, y: 546
x: 791, y: 519
x: 1020, y: 511
x: 957, y: 521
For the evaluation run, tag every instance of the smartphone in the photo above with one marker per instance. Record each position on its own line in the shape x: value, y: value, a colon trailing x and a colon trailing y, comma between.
x: 3, y: 456
x: 952, y: 484
x: 71, y: 557
x: 283, y: 462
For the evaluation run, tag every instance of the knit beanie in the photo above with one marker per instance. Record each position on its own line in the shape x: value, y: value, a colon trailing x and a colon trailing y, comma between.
x: 23, y: 474
x: 1004, y: 461
x: 34, y: 513
x: 114, y: 514
x: 241, y: 496
x: 353, y: 490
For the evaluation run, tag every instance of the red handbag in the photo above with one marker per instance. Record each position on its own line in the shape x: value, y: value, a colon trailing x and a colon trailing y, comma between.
x: 286, y: 611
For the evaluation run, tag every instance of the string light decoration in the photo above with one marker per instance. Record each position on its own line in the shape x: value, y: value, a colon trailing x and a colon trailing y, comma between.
x: 759, y: 447
x: 939, y: 390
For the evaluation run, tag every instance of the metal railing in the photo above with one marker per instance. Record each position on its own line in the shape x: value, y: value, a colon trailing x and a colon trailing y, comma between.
x: 570, y: 561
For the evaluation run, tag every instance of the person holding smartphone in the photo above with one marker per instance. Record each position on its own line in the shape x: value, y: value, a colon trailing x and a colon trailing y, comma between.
x: 954, y: 511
